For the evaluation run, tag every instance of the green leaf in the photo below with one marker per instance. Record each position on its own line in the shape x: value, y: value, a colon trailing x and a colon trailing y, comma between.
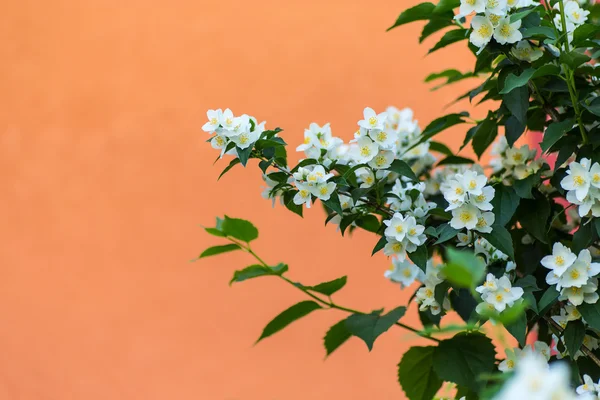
x: 244, y: 154
x: 512, y: 81
x: 334, y: 203
x: 369, y: 223
x: 500, y: 238
x: 462, y: 302
x: 520, y: 15
x: 379, y: 245
x: 420, y: 257
x: 336, y: 336
x: 549, y: 297
x: 523, y: 187
x: 440, y: 124
x: 232, y: 164
x: 440, y: 148
x: 505, y: 203
x: 445, y: 6
x: 215, y: 232
x: 593, y: 106
x: 454, y: 160
x: 583, y: 237
x: 463, y: 268
x: 416, y: 374
x: 288, y: 200
x: 517, y: 102
x: 239, y: 229
x: 445, y: 233
x: 513, y: 129
x: 591, y: 314
x: 464, y: 358
x: 573, y: 335
x: 369, y: 327
x: 416, y: 13
x: 257, y: 270
x: 213, y: 251
x: 554, y: 132
x: 330, y: 287
x: 573, y: 59
x: 533, y: 216
x: 539, y: 31
x: 518, y: 329
x: 450, y: 37
x: 403, y: 169
x: 528, y: 283
x: 290, y: 315
x: 583, y: 33
x: 433, y: 26
x: 485, y: 134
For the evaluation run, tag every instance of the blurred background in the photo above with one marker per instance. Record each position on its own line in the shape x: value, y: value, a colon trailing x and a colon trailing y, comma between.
x: 106, y: 179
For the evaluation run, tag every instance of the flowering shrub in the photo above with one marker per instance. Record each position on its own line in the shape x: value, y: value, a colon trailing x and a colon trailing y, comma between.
x: 512, y: 244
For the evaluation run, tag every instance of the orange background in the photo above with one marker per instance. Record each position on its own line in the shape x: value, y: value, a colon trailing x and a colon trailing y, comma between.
x: 106, y: 178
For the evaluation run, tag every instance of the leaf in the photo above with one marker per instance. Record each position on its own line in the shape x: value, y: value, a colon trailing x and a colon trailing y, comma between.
x: 445, y: 6
x: 445, y: 233
x: 520, y: 15
x: 403, y: 169
x: 244, y: 154
x: 239, y: 229
x: 573, y: 335
x: 517, y: 102
x: 215, y: 232
x: 369, y: 223
x: 539, y: 31
x: 462, y: 302
x: 379, y: 245
x: 440, y: 124
x: 463, y: 268
x: 485, y: 134
x: 454, y: 160
x: 512, y: 81
x: 549, y: 297
x: 416, y: 374
x: 464, y: 358
x: 500, y: 238
x: 334, y: 203
x: 533, y: 216
x: 213, y: 251
x: 513, y: 129
x: 420, y: 257
x: 433, y: 26
x: 593, y: 106
x: 257, y: 270
x: 518, y: 329
x: 440, y: 148
x: 528, y: 283
x: 232, y: 164
x: 330, y: 287
x: 450, y: 37
x: 290, y: 315
x: 505, y: 203
x: 368, y: 327
x: 554, y: 132
x: 523, y: 187
x: 584, y: 32
x: 288, y: 200
x: 583, y: 237
x: 336, y: 336
x: 591, y: 314
x: 416, y: 13
x: 573, y: 58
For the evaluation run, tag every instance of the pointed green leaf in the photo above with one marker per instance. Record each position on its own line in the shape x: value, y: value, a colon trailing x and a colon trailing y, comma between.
x: 337, y: 335
x: 239, y: 229
x: 416, y: 375
x: 419, y: 12
x: 573, y: 335
x: 213, y: 251
x: 555, y: 131
x: 369, y: 327
x: 290, y: 315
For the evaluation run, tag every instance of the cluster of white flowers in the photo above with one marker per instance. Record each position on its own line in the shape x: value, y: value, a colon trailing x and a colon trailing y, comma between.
x: 573, y: 275
x: 244, y: 130
x: 312, y: 181
x: 534, y: 379
x: 497, y: 294
x: 574, y: 17
x: 582, y: 184
x: 469, y: 199
x: 567, y: 314
x: 409, y: 198
x: 493, y: 20
x: 425, y: 296
x: 403, y: 235
x: 514, y: 355
x: 404, y: 272
x: 517, y: 162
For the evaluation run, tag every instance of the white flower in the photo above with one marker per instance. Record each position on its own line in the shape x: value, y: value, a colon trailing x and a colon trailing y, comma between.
x: 588, y: 386
x: 372, y: 120
x: 577, y: 296
x: 465, y: 216
x: 490, y: 285
x: 464, y: 239
x: 415, y: 231
x: 425, y: 297
x: 482, y: 201
x: 365, y: 150
x: 542, y: 348
x: 219, y: 142
x: 504, y: 296
x: 518, y: 155
x: 386, y: 138
x: 497, y: 7
x: 562, y: 258
x: 227, y: 120
x: 482, y: 31
x: 318, y: 175
x: 246, y: 139
x: 470, y: 6
x: 396, y: 248
x: 574, y: 13
x: 534, y: 380
x: 304, y: 194
x: 382, y: 160
x: 595, y: 175
x: 512, y: 357
x: 323, y: 190
x: 473, y: 182
x: 454, y: 192
x: 403, y: 272
x: 524, y: 52
x: 578, y: 179
x: 366, y: 177
x: 214, y: 119
x: 506, y: 32
x: 484, y: 222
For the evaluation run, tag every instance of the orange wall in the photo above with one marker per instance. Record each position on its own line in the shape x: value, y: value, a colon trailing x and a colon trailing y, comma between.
x: 106, y: 177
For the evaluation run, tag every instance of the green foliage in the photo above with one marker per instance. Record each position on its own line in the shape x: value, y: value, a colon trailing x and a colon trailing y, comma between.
x: 288, y: 316
x: 463, y: 268
x: 336, y: 336
x: 573, y: 335
x: 215, y: 250
x: 369, y: 327
x: 416, y: 375
x: 257, y: 270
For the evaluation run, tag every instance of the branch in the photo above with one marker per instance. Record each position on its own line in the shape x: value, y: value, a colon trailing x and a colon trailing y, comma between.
x: 584, y: 349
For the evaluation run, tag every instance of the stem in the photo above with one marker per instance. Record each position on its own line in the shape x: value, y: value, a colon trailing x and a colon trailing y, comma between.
x: 328, y: 304
x: 584, y: 349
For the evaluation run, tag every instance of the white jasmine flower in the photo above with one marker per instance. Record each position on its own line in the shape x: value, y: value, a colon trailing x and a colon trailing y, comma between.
x: 473, y: 182
x: 497, y: 7
x: 464, y: 239
x: 219, y: 142
x: 382, y: 160
x: 372, y: 120
x: 562, y: 258
x: 366, y: 177
x: 575, y: 276
x: 578, y: 179
x: 485, y: 222
x: 588, y: 386
x: 318, y: 175
x: 595, y: 175
x: 512, y: 357
x: 574, y: 13
x: 465, y: 216
x: 454, y: 192
x: 323, y: 190
x: 577, y: 296
x: 214, y: 119
x: 504, y: 295
x: 397, y: 226
x: 386, y: 138
x: 506, y: 32
x: 489, y: 285
x: 304, y: 195
x: 396, y: 248
x: 403, y: 272
x: 425, y: 297
x: 247, y: 138
x: 482, y: 201
x: 468, y: 7
x: 227, y: 120
x: 524, y: 52
x: 316, y: 136
x: 482, y: 31
x: 365, y: 150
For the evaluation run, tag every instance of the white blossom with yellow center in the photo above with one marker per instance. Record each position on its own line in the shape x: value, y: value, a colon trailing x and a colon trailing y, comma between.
x: 465, y: 216
x: 483, y: 30
x: 560, y: 260
x: 505, y: 32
